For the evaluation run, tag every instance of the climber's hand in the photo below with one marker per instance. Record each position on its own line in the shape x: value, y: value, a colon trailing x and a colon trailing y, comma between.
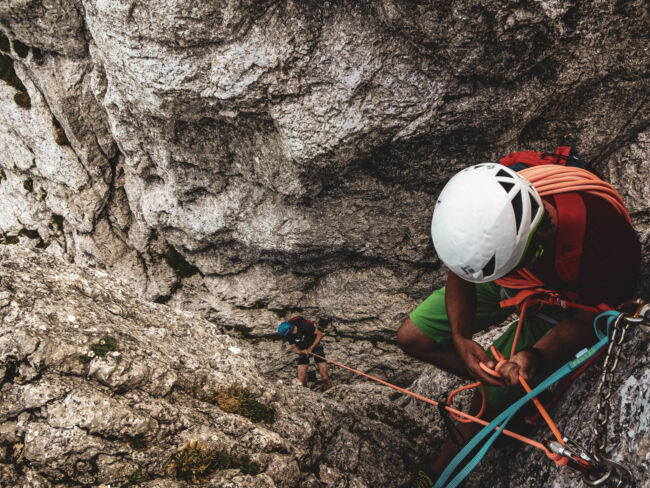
x: 472, y: 354
x: 524, y: 364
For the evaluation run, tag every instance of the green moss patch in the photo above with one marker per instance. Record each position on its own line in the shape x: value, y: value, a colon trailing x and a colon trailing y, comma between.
x: 196, y: 462
x: 136, y: 478
x: 242, y: 402
x: 101, y: 348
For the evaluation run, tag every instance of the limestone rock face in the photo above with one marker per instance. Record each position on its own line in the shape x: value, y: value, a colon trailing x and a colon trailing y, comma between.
x: 69, y: 420
x: 254, y: 160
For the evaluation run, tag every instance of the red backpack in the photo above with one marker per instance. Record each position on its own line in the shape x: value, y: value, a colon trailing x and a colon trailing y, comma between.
x: 572, y: 213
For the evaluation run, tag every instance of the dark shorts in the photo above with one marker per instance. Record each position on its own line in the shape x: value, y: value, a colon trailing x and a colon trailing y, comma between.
x: 304, y: 358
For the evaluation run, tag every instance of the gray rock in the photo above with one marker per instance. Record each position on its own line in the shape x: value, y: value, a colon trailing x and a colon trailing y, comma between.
x: 69, y: 418
x: 249, y: 161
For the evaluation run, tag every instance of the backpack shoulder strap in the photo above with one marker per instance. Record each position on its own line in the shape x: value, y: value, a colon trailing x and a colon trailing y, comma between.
x: 572, y: 224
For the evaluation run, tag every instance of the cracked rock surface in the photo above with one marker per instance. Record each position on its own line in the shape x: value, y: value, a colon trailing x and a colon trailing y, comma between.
x: 252, y: 160
x: 65, y: 421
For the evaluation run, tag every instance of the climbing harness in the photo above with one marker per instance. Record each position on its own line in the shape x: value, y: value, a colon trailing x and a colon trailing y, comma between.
x: 597, y: 468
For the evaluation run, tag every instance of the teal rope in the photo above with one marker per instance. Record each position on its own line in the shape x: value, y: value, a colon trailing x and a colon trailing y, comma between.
x: 500, y: 422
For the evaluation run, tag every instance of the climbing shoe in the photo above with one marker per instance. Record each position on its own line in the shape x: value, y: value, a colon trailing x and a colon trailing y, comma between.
x: 422, y: 479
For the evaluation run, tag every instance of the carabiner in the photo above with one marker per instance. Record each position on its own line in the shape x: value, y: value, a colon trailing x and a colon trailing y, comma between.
x: 577, y: 457
x: 622, y: 475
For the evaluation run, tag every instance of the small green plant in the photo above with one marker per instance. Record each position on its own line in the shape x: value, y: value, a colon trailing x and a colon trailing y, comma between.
x: 105, y: 345
x: 238, y: 400
x: 135, y: 441
x: 136, y: 478
x: 196, y: 461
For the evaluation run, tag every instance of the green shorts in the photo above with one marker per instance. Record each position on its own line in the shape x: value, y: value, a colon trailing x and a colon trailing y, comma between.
x: 431, y: 318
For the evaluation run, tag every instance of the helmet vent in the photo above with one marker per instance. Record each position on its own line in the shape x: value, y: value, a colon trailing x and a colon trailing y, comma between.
x: 517, y: 208
x: 534, y: 207
x: 488, y: 269
x: 507, y: 186
x: 504, y: 173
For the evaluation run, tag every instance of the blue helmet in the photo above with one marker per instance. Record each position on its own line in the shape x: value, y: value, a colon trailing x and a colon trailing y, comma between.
x: 285, y: 328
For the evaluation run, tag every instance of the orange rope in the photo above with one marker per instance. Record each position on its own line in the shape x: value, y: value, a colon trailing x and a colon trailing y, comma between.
x: 501, y: 360
x: 509, y: 433
x: 542, y: 410
x: 533, y: 418
x: 467, y: 387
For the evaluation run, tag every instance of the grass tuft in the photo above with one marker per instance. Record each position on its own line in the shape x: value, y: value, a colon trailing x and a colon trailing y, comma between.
x: 136, y: 478
x: 105, y: 345
x: 242, y: 402
x: 196, y: 461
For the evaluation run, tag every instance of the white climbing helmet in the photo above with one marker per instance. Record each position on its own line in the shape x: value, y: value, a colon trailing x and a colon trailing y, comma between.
x: 483, y: 221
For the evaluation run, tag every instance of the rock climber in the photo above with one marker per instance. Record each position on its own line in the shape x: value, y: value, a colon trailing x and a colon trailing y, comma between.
x: 490, y: 226
x: 305, y: 339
